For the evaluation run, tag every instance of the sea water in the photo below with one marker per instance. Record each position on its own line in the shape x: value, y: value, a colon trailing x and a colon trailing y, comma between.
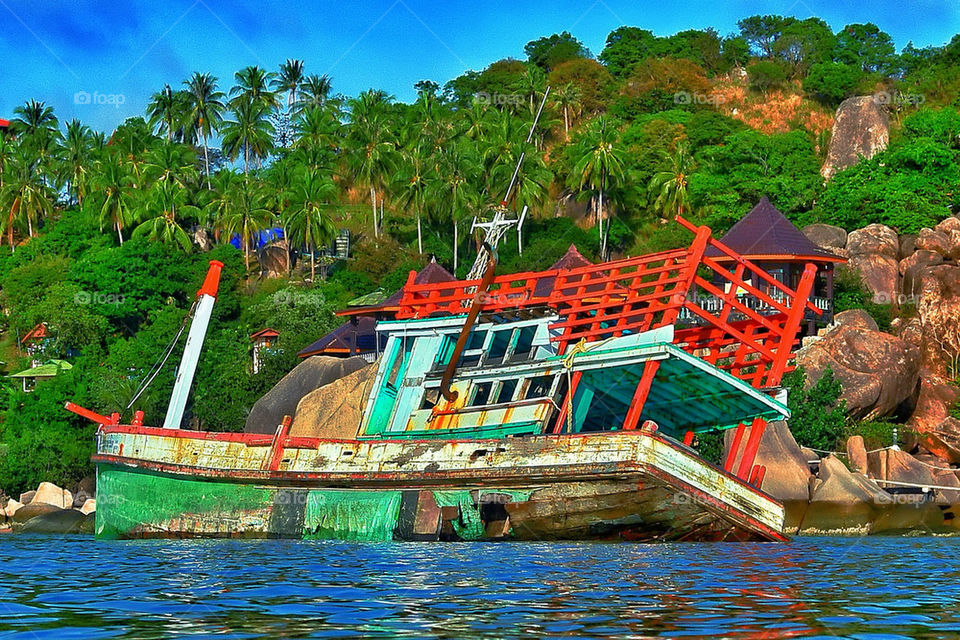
x: 78, y: 587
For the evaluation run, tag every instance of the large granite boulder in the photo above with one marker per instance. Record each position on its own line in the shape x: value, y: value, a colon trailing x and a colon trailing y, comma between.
x: 788, y: 476
x: 936, y: 431
x: 873, y: 253
x: 857, y: 318
x: 861, y: 129
x: 49, y: 493
x: 274, y: 259
x: 877, y: 371
x: 65, y: 521
x: 841, y: 501
x: 933, y: 240
x: 857, y: 454
x: 912, y: 269
x: 826, y: 236
x: 311, y: 374
x: 336, y: 409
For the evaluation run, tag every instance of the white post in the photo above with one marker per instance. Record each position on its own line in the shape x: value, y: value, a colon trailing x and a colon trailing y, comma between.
x: 191, y: 350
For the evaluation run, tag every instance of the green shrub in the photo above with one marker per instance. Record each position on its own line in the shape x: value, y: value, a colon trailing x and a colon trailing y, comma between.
x: 818, y: 414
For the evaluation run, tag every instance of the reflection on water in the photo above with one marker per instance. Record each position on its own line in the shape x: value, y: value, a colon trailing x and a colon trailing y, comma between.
x: 859, y: 588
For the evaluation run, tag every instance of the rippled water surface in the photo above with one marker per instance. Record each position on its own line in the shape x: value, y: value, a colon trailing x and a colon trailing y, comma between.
x: 815, y: 587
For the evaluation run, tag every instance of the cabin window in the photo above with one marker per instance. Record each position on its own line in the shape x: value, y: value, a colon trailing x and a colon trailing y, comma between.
x: 499, y: 345
x: 525, y: 337
x: 481, y: 394
x: 473, y: 351
x: 397, y: 367
x: 430, y: 398
x: 476, y: 340
x: 538, y: 387
x: 506, y: 391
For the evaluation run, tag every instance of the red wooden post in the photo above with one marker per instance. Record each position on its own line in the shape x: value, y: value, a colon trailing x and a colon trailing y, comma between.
x: 734, y: 447
x: 750, y: 449
x: 137, y: 418
x: 640, y: 395
x: 792, y: 325
x: 279, y: 442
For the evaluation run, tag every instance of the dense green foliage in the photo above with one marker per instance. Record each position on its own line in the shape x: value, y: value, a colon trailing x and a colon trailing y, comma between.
x: 818, y: 415
x: 108, y: 235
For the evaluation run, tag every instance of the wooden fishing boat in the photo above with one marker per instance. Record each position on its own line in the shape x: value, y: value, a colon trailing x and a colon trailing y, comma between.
x: 561, y: 404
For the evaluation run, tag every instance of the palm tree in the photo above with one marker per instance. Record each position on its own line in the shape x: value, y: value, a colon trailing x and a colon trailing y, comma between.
x: 170, y: 162
x: 531, y: 84
x: 599, y: 166
x: 251, y: 133
x: 26, y: 195
x: 371, y: 151
x: 315, y: 92
x: 567, y: 99
x: 115, y: 183
x: 165, y: 202
x: 253, y: 86
x: 289, y: 80
x: 307, y: 220
x: 246, y: 214
x: 318, y: 127
x: 205, y: 110
x: 165, y: 111
x: 34, y: 118
x: 455, y: 192
x: 501, y: 152
x: 76, y: 157
x: 670, y: 185
x: 411, y: 182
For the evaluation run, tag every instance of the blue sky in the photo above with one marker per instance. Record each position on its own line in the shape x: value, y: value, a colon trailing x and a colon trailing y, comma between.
x: 121, y: 52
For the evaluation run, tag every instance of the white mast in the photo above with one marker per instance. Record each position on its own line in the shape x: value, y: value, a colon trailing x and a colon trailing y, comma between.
x: 191, y: 350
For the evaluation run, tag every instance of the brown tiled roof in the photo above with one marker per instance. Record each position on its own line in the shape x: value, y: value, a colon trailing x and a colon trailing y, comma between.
x: 766, y: 232
x: 350, y: 338
x: 430, y: 274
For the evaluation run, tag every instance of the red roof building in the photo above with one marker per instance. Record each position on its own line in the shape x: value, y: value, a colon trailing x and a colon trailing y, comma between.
x: 263, y: 340
x: 4, y: 124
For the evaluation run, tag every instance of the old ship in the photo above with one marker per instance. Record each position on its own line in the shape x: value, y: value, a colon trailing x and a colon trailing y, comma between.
x: 562, y: 404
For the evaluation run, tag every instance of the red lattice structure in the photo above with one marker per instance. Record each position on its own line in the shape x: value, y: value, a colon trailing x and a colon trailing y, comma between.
x: 734, y: 316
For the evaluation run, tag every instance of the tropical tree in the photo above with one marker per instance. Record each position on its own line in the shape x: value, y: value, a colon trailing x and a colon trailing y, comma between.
x: 250, y: 133
x: 411, y: 181
x: 170, y: 162
x: 165, y: 204
x: 247, y: 213
x: 289, y: 80
x: 670, y: 185
x: 599, y: 161
x: 308, y: 221
x: 455, y: 192
x: 371, y: 151
x: 34, y: 118
x: 115, y: 184
x: 253, y: 86
x: 26, y: 195
x: 75, y: 157
x: 166, y: 111
x: 567, y: 98
x: 205, y: 110
x: 315, y: 92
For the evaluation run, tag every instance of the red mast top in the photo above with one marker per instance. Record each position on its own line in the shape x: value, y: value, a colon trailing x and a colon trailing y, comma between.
x: 212, y: 281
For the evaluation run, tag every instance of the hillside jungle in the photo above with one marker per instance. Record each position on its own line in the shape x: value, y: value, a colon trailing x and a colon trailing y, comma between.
x: 106, y: 235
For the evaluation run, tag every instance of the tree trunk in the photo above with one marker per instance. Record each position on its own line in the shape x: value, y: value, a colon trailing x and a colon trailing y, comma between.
x: 246, y: 252
x: 596, y: 205
x: 313, y: 265
x: 246, y: 159
x: 206, y: 158
x: 455, y: 246
x: 119, y: 233
x: 566, y: 123
x: 14, y: 209
x: 373, y: 204
x: 419, y: 235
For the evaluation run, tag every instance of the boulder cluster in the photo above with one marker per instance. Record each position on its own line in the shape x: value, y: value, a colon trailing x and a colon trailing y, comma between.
x: 874, y: 492
x: 50, y: 509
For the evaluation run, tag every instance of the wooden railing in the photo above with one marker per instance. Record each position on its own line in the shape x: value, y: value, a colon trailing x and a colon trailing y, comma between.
x: 753, y: 340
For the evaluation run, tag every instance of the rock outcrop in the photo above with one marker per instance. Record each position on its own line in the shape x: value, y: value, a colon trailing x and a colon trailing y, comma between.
x: 874, y: 252
x: 308, y: 376
x: 274, y: 259
x: 827, y: 236
x: 336, y: 409
x: 877, y: 371
x: 861, y: 129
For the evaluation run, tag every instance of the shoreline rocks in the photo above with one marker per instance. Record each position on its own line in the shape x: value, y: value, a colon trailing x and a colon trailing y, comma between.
x: 50, y: 509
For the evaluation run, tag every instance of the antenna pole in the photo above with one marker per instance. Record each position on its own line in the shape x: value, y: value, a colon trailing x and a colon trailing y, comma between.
x: 533, y: 127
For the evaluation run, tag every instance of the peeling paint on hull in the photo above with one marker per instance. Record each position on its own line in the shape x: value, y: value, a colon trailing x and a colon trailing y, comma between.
x: 618, y: 485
